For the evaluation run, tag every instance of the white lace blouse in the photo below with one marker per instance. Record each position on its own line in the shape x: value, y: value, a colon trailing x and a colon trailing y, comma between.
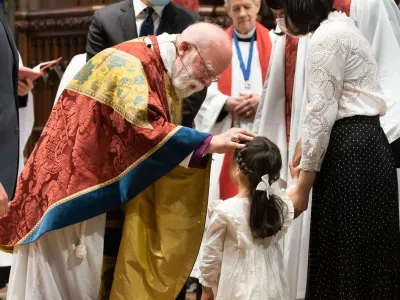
x: 341, y: 81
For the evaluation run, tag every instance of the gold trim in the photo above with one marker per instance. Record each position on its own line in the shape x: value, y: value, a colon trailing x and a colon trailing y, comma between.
x: 108, y: 182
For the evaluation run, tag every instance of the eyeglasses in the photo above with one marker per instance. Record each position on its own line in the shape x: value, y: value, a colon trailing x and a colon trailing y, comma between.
x: 207, y: 72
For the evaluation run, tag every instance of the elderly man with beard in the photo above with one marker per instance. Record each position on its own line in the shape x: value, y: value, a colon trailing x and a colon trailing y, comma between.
x: 111, y: 141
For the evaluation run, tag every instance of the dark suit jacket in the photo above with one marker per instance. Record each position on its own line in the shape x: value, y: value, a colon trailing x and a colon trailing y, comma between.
x: 9, y: 132
x: 116, y: 24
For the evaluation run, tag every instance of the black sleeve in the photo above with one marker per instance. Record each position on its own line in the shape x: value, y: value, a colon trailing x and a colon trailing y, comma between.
x: 22, y: 101
x: 191, y: 106
x: 222, y: 115
x: 96, y: 39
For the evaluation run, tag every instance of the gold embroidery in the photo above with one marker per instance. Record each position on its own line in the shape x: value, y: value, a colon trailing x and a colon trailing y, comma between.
x: 174, y: 102
x: 116, y: 79
x: 99, y: 186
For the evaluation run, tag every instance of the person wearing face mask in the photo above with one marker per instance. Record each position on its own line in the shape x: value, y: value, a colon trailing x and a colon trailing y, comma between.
x: 112, y: 140
x: 129, y: 19
x: 233, y: 100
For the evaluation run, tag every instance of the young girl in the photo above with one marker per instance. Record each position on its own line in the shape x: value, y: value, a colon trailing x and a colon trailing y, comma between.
x: 241, y: 256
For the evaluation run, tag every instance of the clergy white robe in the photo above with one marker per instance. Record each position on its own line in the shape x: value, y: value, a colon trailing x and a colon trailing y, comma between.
x: 76, y: 63
x: 270, y: 122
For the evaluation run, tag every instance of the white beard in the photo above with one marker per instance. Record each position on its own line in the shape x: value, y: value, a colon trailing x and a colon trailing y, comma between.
x: 182, y: 82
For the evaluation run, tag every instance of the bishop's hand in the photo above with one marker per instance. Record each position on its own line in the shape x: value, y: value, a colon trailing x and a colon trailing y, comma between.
x: 232, y: 139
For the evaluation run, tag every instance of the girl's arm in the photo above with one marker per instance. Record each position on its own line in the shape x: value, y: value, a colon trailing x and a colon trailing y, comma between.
x: 211, y: 259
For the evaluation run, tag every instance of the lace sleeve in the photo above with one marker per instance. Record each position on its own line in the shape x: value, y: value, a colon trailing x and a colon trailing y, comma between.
x: 326, y: 66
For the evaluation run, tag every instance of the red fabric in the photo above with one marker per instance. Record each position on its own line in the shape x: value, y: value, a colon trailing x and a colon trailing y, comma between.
x: 189, y: 4
x: 264, y: 47
x: 290, y: 70
x: 84, y: 143
x: 343, y: 5
x: 227, y: 188
x: 290, y: 66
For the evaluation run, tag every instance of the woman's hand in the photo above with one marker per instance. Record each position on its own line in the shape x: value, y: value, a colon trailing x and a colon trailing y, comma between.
x: 299, y: 198
x: 297, y: 155
x: 294, y: 172
x: 207, y: 293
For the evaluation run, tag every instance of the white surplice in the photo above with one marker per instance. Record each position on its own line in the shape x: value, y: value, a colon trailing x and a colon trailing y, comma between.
x: 270, y: 122
x: 76, y: 63
x: 26, y: 122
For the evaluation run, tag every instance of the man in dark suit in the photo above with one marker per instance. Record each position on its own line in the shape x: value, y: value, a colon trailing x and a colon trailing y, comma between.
x: 130, y: 19
x: 9, y: 131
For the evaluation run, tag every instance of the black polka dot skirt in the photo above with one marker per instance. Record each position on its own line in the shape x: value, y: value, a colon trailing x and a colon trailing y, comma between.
x: 354, y: 240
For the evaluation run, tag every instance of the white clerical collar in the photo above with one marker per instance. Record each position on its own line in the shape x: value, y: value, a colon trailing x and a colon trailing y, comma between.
x: 139, y: 6
x: 166, y: 43
x: 245, y: 36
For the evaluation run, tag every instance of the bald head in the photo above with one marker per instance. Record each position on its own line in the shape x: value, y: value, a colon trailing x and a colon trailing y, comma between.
x: 204, y: 52
x: 212, y: 42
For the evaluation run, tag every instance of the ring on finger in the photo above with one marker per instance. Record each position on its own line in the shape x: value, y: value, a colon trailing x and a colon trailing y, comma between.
x: 235, y: 138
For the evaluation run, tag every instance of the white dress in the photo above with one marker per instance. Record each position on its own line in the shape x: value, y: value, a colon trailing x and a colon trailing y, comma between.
x: 236, y: 265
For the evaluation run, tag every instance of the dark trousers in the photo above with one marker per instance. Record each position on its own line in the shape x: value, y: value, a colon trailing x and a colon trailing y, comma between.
x: 4, y: 276
x: 182, y: 294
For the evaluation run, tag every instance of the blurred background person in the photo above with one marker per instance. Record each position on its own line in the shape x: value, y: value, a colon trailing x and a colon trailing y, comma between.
x: 9, y: 133
x: 233, y: 100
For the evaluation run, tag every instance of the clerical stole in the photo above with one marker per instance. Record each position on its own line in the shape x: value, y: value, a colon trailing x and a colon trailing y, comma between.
x: 227, y: 188
x: 343, y: 6
x: 290, y: 71
x: 108, y: 141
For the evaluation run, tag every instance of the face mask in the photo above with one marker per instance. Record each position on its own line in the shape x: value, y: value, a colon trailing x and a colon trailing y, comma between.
x: 282, y: 25
x: 160, y: 2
